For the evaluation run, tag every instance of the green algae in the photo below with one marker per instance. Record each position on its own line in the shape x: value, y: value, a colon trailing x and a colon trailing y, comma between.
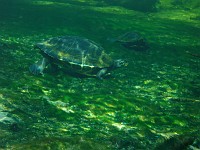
x: 153, y: 98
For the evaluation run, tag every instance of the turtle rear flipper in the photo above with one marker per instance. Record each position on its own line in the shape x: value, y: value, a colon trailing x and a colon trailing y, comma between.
x: 38, y: 67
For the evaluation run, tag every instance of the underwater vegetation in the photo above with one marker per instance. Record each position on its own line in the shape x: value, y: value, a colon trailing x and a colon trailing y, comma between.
x: 183, y: 4
x: 187, y: 3
x: 139, y: 5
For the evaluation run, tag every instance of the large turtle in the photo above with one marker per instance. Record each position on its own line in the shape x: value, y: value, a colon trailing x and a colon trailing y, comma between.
x: 75, y: 54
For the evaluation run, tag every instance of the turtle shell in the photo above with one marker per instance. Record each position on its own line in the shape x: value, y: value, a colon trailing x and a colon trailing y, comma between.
x: 80, y: 54
x: 129, y: 37
x: 133, y: 40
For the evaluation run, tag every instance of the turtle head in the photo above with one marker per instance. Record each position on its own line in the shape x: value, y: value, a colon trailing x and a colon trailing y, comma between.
x: 119, y: 63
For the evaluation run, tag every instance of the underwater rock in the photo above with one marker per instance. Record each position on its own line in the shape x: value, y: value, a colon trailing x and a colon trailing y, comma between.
x: 5, y: 119
x: 180, y: 143
x: 5, y: 116
x: 9, y: 122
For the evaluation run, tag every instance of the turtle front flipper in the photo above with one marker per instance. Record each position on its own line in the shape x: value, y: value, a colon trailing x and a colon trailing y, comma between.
x: 102, y: 73
x: 38, y: 67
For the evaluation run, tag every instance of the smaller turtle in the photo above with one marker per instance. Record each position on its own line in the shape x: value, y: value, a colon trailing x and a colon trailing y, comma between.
x: 193, y: 54
x: 133, y: 40
x: 75, y: 54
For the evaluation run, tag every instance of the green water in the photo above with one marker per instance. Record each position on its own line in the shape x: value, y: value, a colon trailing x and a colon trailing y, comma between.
x: 141, y: 105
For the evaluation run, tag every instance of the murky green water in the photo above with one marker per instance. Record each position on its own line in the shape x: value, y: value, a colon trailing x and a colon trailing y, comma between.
x: 154, y: 98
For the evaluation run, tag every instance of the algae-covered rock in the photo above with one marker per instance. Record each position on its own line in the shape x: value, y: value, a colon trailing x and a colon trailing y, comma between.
x: 180, y: 142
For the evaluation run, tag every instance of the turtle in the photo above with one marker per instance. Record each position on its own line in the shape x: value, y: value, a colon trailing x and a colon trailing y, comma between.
x: 75, y: 54
x: 132, y: 40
